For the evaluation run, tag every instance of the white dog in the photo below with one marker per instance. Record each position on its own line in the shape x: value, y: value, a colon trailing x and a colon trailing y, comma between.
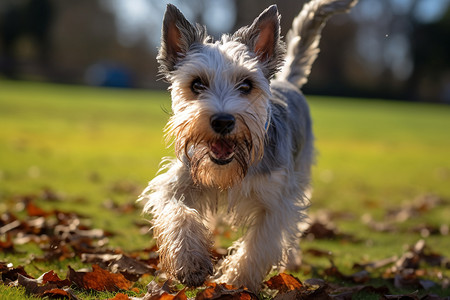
x: 243, y: 141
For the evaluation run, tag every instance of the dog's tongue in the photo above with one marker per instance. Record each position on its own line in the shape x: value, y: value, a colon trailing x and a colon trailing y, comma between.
x: 222, y: 149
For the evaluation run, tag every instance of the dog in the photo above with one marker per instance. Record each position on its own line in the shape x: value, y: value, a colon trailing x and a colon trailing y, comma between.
x: 242, y: 135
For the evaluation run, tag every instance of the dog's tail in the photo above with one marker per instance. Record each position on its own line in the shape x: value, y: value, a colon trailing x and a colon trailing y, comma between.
x: 304, y: 37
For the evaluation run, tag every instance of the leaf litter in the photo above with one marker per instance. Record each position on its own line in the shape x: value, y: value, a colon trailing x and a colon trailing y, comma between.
x: 64, y: 235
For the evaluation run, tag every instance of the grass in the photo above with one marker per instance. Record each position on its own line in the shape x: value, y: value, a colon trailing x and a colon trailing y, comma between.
x: 88, y: 144
x: 376, y: 155
x: 81, y: 142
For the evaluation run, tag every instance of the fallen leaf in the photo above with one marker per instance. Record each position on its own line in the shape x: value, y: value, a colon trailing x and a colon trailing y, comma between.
x: 283, y: 283
x: 318, y: 252
x: 425, y: 230
x: 406, y: 279
x: 99, y: 280
x: 7, y: 246
x: 224, y: 291
x: 8, y: 222
x: 418, y: 206
x: 37, y: 287
x: 376, y: 264
x: 417, y: 254
x: 59, y: 293
x: 48, y: 194
x: 131, y: 268
x: 120, y: 296
x: 181, y: 295
x: 35, y: 211
x: 321, y: 228
x: 313, y: 289
x: 56, y: 249
x: 288, y: 287
x: 53, y: 278
x: 358, y: 277
x: 10, y: 274
x: 164, y: 292
x: 384, y: 226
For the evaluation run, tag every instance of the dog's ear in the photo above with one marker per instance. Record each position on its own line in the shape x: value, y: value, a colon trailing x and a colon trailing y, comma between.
x: 177, y: 36
x: 263, y: 38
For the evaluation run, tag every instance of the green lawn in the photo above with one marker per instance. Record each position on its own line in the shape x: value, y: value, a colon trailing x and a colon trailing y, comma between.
x: 92, y: 145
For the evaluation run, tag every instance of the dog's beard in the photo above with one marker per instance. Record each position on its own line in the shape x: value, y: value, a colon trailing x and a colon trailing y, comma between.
x: 217, y: 161
x: 220, y: 168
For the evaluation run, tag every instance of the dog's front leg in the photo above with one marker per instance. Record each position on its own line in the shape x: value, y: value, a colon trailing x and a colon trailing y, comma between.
x: 256, y: 253
x: 184, y: 242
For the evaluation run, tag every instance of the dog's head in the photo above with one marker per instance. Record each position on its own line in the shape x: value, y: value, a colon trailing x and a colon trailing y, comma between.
x: 220, y: 94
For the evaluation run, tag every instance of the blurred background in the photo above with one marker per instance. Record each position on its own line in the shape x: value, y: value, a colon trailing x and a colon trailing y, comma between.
x: 391, y: 49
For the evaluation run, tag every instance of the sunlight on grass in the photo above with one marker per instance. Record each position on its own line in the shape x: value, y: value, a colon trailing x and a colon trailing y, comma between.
x: 91, y: 146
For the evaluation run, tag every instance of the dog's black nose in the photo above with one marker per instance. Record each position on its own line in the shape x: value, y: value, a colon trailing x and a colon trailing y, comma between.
x: 222, y: 123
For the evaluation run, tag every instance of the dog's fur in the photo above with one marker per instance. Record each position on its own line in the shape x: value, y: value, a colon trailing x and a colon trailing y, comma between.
x: 243, y: 142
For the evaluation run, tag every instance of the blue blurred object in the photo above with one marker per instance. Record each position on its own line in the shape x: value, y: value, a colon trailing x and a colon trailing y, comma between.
x: 108, y: 74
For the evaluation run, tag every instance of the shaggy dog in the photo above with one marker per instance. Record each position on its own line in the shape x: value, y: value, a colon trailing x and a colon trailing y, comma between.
x: 242, y: 134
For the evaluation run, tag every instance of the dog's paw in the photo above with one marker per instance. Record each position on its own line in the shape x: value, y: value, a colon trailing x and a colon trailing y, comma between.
x: 194, y: 273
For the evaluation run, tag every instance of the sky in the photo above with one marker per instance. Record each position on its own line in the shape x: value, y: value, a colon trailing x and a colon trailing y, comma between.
x: 142, y: 18
x: 139, y: 20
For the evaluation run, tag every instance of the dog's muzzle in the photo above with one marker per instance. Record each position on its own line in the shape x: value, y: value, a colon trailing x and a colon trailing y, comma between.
x: 222, y: 150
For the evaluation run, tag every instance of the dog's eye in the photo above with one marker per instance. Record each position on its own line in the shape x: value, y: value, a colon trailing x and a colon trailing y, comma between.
x: 197, y: 86
x: 245, y: 87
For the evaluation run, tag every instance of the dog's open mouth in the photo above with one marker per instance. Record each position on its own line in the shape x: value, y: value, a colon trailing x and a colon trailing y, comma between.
x: 221, y: 151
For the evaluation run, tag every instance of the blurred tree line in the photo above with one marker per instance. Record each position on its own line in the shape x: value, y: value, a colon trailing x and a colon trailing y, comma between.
x: 397, y: 49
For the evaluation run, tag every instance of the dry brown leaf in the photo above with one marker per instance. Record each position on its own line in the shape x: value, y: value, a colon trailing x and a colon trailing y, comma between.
x: 181, y: 295
x: 322, y: 228
x: 131, y: 268
x: 35, y: 211
x: 157, y: 292
x: 358, y: 277
x: 312, y: 289
x: 7, y: 246
x: 318, y: 252
x: 59, y: 293
x: 224, y: 291
x: 375, y: 264
x: 283, y: 283
x: 99, y: 280
x: 319, y: 230
x: 52, y: 277
x: 36, y: 287
x: 9, y: 273
x: 120, y: 296
x: 406, y: 279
